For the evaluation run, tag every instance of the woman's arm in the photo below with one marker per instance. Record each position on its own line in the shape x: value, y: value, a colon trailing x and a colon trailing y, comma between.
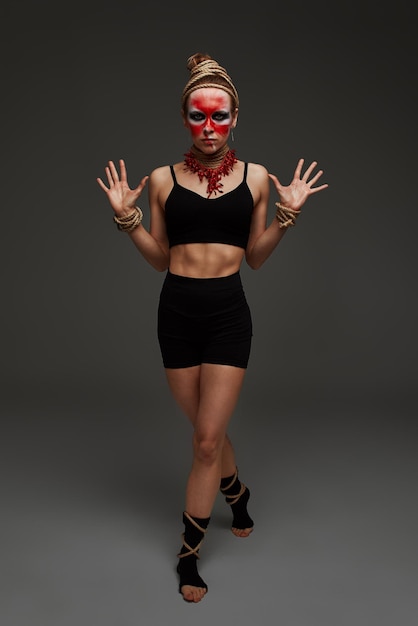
x: 263, y: 240
x: 153, y: 245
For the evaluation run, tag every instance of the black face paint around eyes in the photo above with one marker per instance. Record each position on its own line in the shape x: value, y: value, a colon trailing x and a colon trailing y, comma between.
x: 220, y: 116
x: 196, y: 117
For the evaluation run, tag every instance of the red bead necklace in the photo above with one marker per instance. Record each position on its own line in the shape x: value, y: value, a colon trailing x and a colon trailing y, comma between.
x: 212, y: 167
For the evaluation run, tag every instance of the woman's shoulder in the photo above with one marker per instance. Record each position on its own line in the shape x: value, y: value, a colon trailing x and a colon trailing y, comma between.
x: 160, y: 178
x: 163, y: 172
x: 257, y: 173
x: 257, y: 169
x: 160, y: 173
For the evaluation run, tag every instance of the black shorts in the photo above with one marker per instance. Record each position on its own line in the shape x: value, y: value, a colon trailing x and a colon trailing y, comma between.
x: 204, y: 320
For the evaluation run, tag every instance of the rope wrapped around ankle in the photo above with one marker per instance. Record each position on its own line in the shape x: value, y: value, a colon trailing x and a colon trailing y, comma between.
x: 194, y: 533
x: 237, y: 495
x: 192, y: 550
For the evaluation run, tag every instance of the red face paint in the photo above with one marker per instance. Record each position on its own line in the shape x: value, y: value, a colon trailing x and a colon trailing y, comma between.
x: 209, y: 112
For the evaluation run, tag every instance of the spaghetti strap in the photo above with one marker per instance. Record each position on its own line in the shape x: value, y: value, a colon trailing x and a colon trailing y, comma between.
x: 173, y: 174
x: 245, y: 172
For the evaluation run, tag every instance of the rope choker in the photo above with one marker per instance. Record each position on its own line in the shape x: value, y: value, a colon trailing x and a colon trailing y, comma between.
x: 212, y: 167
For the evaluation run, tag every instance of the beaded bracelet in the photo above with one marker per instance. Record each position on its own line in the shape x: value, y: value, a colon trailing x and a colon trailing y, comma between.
x: 286, y: 215
x: 127, y: 223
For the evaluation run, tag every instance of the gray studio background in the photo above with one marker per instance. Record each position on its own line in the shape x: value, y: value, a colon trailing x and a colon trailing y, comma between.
x: 94, y: 454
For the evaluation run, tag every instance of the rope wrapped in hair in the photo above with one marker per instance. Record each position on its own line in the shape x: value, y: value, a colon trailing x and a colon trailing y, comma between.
x: 206, y: 72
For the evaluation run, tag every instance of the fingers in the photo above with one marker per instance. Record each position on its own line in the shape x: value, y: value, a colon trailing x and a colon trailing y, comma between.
x: 320, y: 188
x: 276, y: 181
x: 315, y: 178
x: 142, y: 185
x: 298, y: 169
x: 113, y: 172
x: 118, y: 184
x: 123, y: 175
x: 102, y: 185
x: 309, y: 171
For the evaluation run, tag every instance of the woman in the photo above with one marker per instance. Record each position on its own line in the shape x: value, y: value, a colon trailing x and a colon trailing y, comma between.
x: 207, y: 213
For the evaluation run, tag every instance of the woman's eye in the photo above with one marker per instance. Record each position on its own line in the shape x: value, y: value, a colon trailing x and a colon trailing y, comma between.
x: 220, y: 117
x: 196, y: 117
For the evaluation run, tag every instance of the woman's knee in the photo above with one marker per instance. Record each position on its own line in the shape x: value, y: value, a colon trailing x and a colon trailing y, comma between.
x: 208, y: 449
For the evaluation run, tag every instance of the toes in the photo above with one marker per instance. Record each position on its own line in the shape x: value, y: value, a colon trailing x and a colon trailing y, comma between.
x: 242, y: 532
x: 192, y: 594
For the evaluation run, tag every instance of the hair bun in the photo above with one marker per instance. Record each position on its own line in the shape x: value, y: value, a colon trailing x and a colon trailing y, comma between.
x: 206, y: 72
x: 197, y: 58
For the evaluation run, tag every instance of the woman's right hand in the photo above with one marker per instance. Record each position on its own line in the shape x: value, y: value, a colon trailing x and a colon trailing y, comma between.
x: 121, y: 197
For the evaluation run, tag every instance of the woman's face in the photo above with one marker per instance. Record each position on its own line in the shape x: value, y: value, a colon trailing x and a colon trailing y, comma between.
x: 209, y: 118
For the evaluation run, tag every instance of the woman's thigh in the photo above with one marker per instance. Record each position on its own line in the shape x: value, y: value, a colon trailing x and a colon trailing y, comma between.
x: 207, y: 394
x: 184, y: 384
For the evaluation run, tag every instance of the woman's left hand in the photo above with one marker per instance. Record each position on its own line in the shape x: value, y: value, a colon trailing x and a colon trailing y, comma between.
x: 301, y: 187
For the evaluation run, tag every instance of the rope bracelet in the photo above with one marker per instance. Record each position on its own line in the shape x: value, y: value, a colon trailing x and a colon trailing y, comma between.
x: 127, y: 223
x: 286, y: 215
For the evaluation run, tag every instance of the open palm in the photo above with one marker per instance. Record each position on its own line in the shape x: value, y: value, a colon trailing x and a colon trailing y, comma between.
x: 300, y: 188
x: 121, y: 197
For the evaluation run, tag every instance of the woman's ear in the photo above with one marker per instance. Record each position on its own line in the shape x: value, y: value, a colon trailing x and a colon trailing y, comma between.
x: 235, y: 118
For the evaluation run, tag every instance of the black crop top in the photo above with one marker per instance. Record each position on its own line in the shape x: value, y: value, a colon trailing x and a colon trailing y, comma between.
x: 190, y: 218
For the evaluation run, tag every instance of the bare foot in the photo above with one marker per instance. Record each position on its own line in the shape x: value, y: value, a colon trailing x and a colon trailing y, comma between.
x: 192, y: 594
x: 242, y: 532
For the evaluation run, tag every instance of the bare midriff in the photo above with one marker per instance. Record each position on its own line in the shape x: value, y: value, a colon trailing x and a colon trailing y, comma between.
x: 205, y: 260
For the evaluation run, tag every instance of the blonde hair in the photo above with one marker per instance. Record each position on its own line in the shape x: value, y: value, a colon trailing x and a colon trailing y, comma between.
x: 206, y: 72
